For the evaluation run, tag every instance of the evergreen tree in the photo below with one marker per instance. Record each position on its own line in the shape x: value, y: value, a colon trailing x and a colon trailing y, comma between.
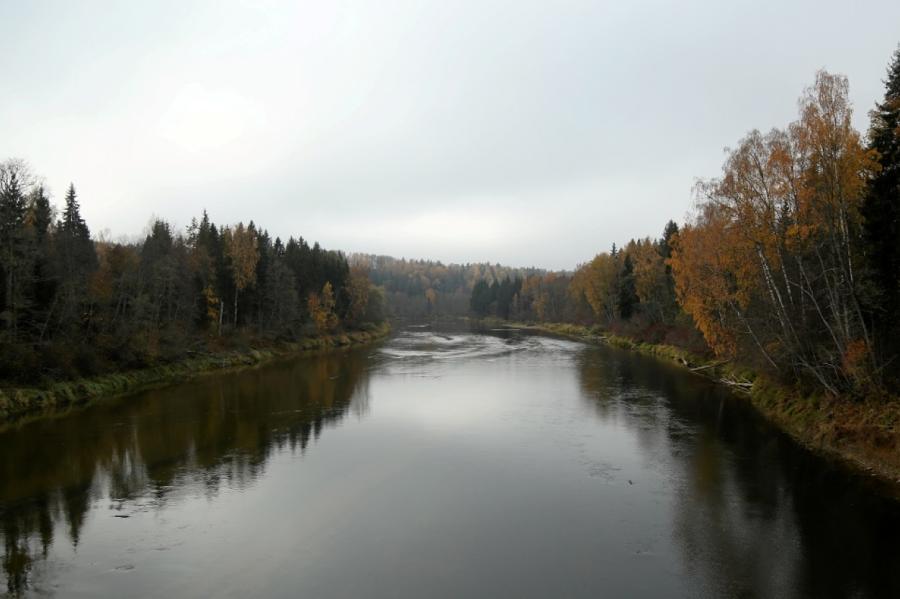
x: 77, y: 251
x: 627, y: 296
x: 75, y: 258
x: 39, y: 221
x: 40, y: 214
x: 13, y: 251
x: 158, y: 267
x: 669, y: 305
x: 881, y: 208
x: 665, y: 243
x: 480, y: 301
x: 495, y: 295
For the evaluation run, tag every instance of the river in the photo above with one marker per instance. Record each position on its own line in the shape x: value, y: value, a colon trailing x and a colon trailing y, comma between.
x: 440, y: 463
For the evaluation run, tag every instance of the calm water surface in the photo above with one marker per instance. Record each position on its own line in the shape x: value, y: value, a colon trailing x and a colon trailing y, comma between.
x: 439, y: 464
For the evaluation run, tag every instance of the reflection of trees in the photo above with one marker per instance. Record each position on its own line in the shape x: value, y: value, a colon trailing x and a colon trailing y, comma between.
x: 754, y: 514
x: 216, y: 431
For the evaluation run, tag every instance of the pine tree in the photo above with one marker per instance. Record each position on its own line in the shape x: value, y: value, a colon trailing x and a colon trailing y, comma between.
x: 13, y: 253
x: 481, y: 298
x: 627, y: 296
x: 75, y: 258
x: 39, y: 221
x: 40, y: 214
x: 74, y: 237
x: 882, y: 204
x: 72, y: 224
x: 665, y: 243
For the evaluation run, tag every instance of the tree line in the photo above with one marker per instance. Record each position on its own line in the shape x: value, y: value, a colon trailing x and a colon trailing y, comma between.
x: 426, y: 288
x: 790, y: 262
x: 74, y: 305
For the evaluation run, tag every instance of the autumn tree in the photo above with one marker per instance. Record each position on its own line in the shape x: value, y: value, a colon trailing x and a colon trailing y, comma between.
x: 598, y: 281
x: 73, y: 306
x: 358, y: 288
x: 773, y: 256
x: 242, y: 251
x: 208, y: 260
x: 321, y: 309
x: 651, y: 281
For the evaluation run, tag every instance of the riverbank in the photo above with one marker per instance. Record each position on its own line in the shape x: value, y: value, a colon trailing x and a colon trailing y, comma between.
x: 19, y: 402
x: 864, y: 434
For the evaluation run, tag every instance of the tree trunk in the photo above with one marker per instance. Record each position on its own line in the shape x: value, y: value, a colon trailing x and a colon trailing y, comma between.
x: 235, y: 307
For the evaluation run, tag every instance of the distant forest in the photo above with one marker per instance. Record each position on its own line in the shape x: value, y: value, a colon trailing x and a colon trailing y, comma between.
x: 74, y: 306
x: 425, y: 288
x: 791, y: 263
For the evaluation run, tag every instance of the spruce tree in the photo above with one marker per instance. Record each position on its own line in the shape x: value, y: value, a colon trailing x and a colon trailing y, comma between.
x: 665, y: 243
x: 13, y: 252
x: 627, y: 294
x: 481, y: 298
x: 40, y: 219
x: 881, y: 208
x: 40, y: 214
x: 75, y: 259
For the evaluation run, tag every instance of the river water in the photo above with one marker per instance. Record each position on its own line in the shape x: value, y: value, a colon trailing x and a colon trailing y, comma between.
x: 437, y: 464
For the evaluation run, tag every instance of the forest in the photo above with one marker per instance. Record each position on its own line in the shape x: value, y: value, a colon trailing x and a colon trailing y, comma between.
x: 426, y: 288
x: 789, y: 263
x: 73, y: 305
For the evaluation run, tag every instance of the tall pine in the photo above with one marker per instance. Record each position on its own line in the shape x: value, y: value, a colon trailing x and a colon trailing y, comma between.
x: 881, y: 208
x: 39, y: 221
x: 76, y: 259
x: 13, y: 254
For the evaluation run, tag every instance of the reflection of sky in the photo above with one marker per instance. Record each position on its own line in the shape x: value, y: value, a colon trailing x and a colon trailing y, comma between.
x: 515, y: 465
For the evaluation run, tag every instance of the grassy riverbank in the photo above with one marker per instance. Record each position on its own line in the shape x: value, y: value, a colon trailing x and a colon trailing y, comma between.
x: 16, y: 402
x: 864, y: 433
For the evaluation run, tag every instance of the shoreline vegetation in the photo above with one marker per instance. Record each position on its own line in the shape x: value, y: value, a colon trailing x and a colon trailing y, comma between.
x: 24, y: 403
x: 860, y: 434
x: 782, y: 284
x: 83, y: 317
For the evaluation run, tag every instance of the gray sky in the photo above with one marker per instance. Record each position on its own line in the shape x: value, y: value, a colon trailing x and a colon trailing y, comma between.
x: 514, y: 132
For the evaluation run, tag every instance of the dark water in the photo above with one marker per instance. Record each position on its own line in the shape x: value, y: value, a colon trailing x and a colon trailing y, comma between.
x: 437, y: 465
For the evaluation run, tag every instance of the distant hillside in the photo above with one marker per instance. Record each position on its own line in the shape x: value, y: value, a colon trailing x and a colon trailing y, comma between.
x: 420, y: 288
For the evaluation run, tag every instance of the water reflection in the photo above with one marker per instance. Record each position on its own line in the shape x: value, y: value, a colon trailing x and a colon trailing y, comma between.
x: 495, y: 464
x: 141, y: 452
x: 754, y: 515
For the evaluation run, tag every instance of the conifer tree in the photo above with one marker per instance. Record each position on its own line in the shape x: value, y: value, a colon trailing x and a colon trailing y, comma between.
x: 13, y: 254
x: 74, y: 238
x: 75, y: 259
x: 881, y: 208
x: 39, y: 220
x: 628, y: 298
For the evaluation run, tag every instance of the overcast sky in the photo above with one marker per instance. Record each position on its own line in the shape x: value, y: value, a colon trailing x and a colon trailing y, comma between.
x: 514, y: 132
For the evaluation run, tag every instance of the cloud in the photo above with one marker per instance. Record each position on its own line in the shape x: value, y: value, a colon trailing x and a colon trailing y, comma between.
x: 202, y: 120
x: 528, y: 133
